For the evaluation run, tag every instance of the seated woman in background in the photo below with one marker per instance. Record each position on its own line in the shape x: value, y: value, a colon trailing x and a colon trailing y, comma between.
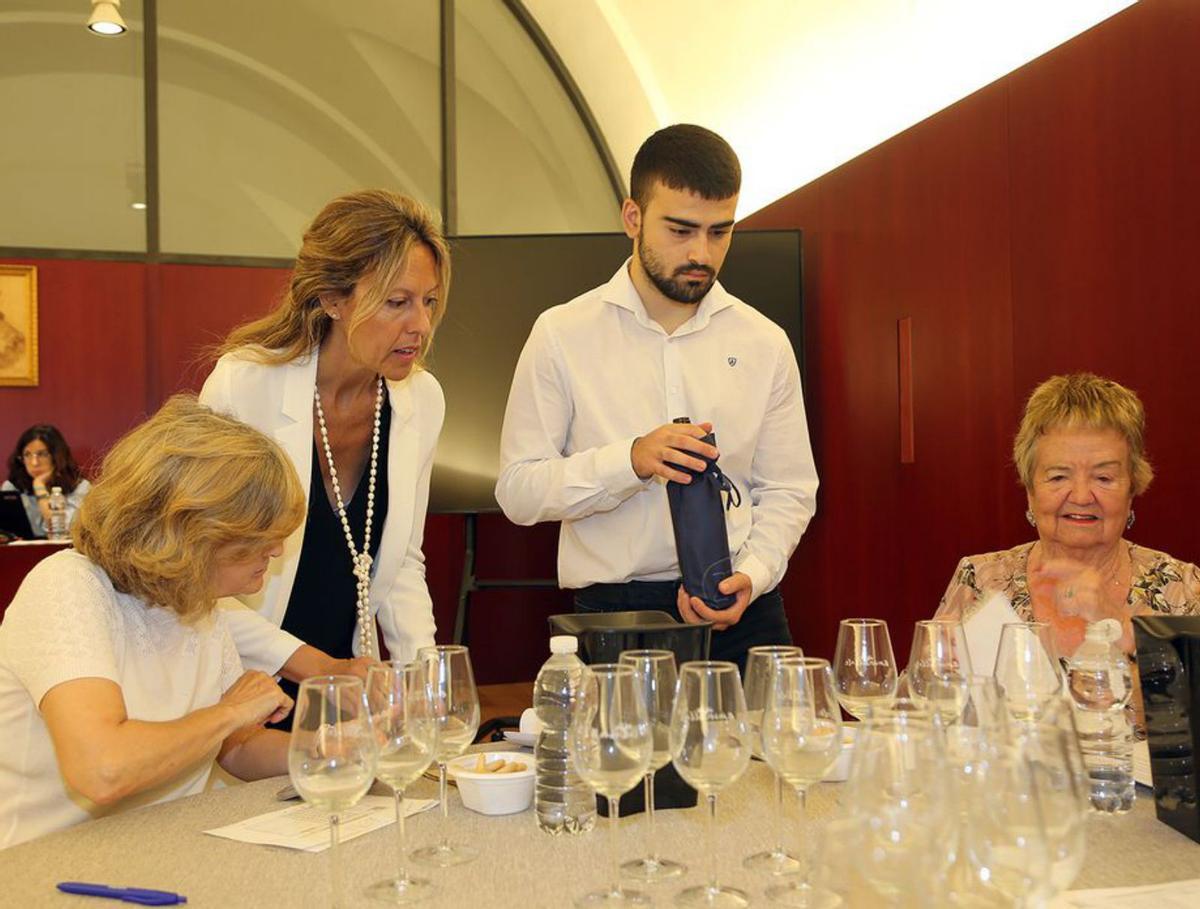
x: 119, y: 681
x: 334, y: 374
x: 41, y: 461
x: 1080, y: 453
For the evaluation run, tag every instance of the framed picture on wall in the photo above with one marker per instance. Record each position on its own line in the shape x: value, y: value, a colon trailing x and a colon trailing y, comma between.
x: 18, y: 325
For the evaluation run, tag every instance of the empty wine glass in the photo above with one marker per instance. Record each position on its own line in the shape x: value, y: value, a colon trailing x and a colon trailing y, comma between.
x: 656, y: 676
x: 899, y: 798
x: 611, y: 744
x: 802, y: 737
x: 1027, y: 669
x: 454, y: 705
x: 939, y: 667
x: 711, y: 744
x: 756, y: 686
x: 405, y: 741
x: 331, y: 754
x: 864, y: 667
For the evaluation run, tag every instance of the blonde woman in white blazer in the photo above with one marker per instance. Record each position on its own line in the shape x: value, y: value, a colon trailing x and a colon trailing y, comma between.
x: 334, y: 373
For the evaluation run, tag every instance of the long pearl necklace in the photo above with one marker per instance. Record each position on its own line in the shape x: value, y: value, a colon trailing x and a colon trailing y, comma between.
x: 361, y: 560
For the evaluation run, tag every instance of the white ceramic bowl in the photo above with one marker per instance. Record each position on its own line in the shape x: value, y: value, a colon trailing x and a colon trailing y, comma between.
x: 494, y: 793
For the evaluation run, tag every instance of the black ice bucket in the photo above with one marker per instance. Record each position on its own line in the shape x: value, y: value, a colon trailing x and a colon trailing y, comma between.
x: 602, y: 637
x: 1168, y: 655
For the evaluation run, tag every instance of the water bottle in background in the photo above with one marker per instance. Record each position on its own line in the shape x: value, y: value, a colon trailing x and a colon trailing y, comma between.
x: 563, y: 802
x: 56, y: 526
x: 1101, y: 684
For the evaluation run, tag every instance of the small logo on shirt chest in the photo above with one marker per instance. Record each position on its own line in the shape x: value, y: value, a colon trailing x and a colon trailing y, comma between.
x: 732, y: 361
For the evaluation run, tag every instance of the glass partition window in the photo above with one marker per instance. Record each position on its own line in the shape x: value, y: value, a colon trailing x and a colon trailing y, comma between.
x: 72, y: 162
x: 525, y: 161
x: 269, y: 109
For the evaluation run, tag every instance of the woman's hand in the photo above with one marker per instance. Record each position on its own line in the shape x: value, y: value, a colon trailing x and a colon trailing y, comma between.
x: 256, y: 699
x: 1069, y: 596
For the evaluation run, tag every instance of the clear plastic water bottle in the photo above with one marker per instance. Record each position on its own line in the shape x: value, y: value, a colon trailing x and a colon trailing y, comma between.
x: 563, y: 802
x: 1101, y: 684
x: 56, y: 526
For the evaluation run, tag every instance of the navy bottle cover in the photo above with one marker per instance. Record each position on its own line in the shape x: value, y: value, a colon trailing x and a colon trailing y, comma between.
x: 698, y: 520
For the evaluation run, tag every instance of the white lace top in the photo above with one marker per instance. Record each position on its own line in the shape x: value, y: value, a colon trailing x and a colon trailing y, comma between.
x: 67, y: 622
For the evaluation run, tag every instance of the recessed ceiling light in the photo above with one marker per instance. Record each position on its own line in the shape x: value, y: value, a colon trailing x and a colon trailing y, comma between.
x: 140, y: 206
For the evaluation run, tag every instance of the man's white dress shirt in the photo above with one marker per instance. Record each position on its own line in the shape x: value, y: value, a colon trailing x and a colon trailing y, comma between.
x: 598, y: 372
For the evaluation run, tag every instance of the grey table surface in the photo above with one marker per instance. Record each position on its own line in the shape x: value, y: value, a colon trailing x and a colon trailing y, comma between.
x: 164, y: 847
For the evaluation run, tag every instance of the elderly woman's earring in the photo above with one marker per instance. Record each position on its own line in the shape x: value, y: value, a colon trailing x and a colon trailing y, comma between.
x: 1029, y: 517
x: 1129, y: 520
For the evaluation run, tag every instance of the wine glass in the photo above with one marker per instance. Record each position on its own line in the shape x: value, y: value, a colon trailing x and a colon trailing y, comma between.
x: 711, y: 744
x: 656, y: 676
x: 802, y: 737
x: 864, y: 667
x: 331, y: 754
x: 405, y: 741
x: 454, y: 704
x: 939, y: 667
x: 1027, y: 669
x: 756, y: 687
x: 611, y: 743
x: 899, y: 799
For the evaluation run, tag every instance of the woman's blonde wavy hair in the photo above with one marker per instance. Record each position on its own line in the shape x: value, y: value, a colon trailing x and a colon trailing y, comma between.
x: 1083, y: 400
x: 362, y: 234
x: 174, y: 490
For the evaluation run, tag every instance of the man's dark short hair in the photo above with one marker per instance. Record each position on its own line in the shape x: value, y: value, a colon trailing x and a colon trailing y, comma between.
x: 685, y: 157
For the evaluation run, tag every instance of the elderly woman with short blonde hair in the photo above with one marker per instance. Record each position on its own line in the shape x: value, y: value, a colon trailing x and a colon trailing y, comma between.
x: 119, y: 680
x: 1080, y: 454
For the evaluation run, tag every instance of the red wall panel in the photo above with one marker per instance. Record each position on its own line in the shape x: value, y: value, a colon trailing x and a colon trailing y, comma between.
x: 1045, y: 224
x: 92, y: 352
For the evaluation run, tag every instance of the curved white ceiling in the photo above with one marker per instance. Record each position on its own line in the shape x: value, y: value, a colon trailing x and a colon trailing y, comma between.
x: 796, y: 86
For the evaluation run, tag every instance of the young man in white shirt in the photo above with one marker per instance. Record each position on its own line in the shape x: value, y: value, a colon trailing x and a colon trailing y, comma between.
x: 588, y: 436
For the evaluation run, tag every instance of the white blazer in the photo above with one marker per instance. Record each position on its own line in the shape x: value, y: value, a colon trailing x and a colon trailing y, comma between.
x: 278, y: 400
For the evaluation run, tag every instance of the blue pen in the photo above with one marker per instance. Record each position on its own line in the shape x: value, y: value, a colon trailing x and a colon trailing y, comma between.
x: 137, y: 895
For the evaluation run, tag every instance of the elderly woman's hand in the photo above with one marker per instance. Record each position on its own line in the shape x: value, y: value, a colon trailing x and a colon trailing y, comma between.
x: 1069, y: 596
x: 256, y: 699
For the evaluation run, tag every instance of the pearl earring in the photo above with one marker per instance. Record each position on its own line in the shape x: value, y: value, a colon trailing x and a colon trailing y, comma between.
x: 1029, y: 517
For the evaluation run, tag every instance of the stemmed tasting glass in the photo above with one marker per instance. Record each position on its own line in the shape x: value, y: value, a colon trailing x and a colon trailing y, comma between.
x: 405, y: 740
x: 331, y: 754
x: 1027, y: 669
x: 711, y: 744
x: 899, y: 797
x: 756, y: 686
x: 802, y: 737
x: 656, y: 676
x: 864, y: 667
x: 939, y: 668
x: 611, y: 744
x: 454, y: 704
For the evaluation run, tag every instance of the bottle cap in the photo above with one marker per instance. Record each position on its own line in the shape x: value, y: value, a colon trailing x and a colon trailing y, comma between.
x: 564, y: 643
x: 1106, y: 631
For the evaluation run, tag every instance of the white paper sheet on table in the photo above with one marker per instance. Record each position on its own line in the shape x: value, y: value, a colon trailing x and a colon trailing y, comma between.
x: 983, y: 629
x: 1175, y: 895
x: 305, y: 828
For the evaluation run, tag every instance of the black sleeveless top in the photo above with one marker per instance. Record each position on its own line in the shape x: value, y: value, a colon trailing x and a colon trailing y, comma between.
x: 323, y: 608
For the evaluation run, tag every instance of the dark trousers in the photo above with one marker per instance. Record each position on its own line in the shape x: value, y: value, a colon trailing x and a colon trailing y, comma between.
x: 763, y: 622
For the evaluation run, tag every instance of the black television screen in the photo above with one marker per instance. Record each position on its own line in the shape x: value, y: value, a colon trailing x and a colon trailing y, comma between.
x: 501, y: 285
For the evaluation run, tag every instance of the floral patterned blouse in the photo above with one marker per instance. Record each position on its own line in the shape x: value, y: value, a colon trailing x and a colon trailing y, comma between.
x: 1160, y: 583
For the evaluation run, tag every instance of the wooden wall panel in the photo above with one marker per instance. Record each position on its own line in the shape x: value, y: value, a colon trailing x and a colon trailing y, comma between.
x: 1045, y: 224
x: 1106, y: 228
x: 92, y: 351
x: 201, y: 303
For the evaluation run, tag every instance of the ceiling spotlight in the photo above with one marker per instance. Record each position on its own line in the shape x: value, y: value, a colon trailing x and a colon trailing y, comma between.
x: 139, y: 206
x: 106, y: 18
